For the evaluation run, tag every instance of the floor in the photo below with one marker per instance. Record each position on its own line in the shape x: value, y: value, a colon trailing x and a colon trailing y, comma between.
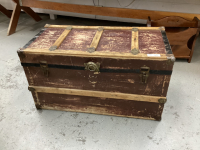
x: 23, y: 127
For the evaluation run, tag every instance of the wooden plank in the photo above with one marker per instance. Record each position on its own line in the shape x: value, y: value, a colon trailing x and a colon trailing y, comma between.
x: 134, y: 42
x: 115, y: 55
x: 113, y: 95
x: 105, y: 11
x: 86, y: 111
x: 14, y: 20
x: 60, y: 39
x: 96, y: 27
x: 5, y: 11
x: 95, y: 40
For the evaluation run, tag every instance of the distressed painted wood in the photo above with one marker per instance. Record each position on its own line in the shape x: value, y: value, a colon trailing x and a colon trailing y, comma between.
x: 114, y: 95
x: 109, y: 80
x: 60, y: 39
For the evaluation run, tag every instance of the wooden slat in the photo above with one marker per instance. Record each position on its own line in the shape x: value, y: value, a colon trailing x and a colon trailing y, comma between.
x: 96, y: 27
x: 113, y: 95
x: 60, y: 40
x: 95, y: 41
x: 134, y: 41
x: 105, y: 11
x: 114, y: 55
x: 90, y: 112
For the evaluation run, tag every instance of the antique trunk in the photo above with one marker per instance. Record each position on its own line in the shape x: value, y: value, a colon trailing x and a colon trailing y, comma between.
x: 121, y: 71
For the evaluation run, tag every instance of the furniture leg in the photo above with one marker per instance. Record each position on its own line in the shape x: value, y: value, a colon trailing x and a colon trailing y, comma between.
x: 14, y: 19
x: 15, y: 16
x: 31, y: 13
x: 193, y: 45
x: 5, y: 11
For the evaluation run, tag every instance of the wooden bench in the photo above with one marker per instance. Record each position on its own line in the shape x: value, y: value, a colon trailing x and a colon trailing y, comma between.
x: 85, y: 9
x: 181, y: 33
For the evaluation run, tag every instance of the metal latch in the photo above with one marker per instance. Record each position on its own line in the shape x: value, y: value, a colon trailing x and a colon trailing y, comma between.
x: 91, y: 66
x: 144, y: 73
x: 44, y: 67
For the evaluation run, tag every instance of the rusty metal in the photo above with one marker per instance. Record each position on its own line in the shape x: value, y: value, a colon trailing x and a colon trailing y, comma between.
x: 162, y: 100
x: 91, y: 66
x: 135, y: 29
x: 44, y: 67
x: 100, y: 29
x: 31, y: 89
x: 144, y: 73
x: 69, y: 28
x: 52, y: 48
x: 135, y: 51
x: 91, y: 49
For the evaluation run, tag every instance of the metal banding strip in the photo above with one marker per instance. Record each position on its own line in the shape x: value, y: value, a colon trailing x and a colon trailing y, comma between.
x: 166, y: 42
x: 161, y: 72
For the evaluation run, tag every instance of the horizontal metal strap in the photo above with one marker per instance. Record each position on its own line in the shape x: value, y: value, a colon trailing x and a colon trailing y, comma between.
x: 161, y: 72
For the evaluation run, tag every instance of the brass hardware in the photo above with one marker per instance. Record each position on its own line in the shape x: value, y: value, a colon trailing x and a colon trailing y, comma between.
x: 162, y: 28
x: 91, y: 50
x: 134, y: 51
x: 69, y: 28
x: 91, y: 66
x: 135, y: 29
x: 100, y: 29
x: 31, y: 89
x: 47, y: 25
x: 162, y: 100
x: 52, y: 48
x: 20, y: 2
x: 44, y: 67
x: 144, y: 73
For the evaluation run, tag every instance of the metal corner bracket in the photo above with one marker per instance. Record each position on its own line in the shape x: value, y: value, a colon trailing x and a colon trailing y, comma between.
x: 69, y: 28
x: 162, y: 100
x: 135, y: 29
x: 31, y: 89
x: 52, y: 48
x: 91, y: 49
x: 135, y: 51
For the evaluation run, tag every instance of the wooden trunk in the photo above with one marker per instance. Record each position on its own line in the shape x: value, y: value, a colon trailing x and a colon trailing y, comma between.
x: 121, y: 71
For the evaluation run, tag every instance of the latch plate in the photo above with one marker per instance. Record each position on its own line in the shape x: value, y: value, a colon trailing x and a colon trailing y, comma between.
x: 144, y: 73
x: 44, y: 67
x: 91, y: 66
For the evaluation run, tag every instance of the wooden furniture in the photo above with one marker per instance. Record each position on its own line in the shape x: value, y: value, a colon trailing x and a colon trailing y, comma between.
x: 121, y: 71
x: 5, y: 11
x: 181, y: 33
x: 15, y: 16
x: 94, y: 10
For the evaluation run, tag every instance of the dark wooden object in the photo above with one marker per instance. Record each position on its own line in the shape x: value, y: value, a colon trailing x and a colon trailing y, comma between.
x: 121, y: 71
x: 103, y: 11
x: 5, y: 11
x: 182, y: 34
x: 15, y: 16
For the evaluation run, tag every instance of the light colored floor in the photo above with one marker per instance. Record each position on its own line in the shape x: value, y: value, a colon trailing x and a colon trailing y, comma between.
x: 22, y: 127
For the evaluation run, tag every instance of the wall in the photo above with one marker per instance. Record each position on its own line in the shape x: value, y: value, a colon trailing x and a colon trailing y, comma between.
x: 185, y: 6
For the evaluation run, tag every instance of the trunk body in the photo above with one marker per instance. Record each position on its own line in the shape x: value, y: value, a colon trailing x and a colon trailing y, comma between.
x: 120, y: 71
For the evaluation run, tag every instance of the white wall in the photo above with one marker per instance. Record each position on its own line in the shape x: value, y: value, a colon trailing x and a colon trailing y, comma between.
x: 185, y: 6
